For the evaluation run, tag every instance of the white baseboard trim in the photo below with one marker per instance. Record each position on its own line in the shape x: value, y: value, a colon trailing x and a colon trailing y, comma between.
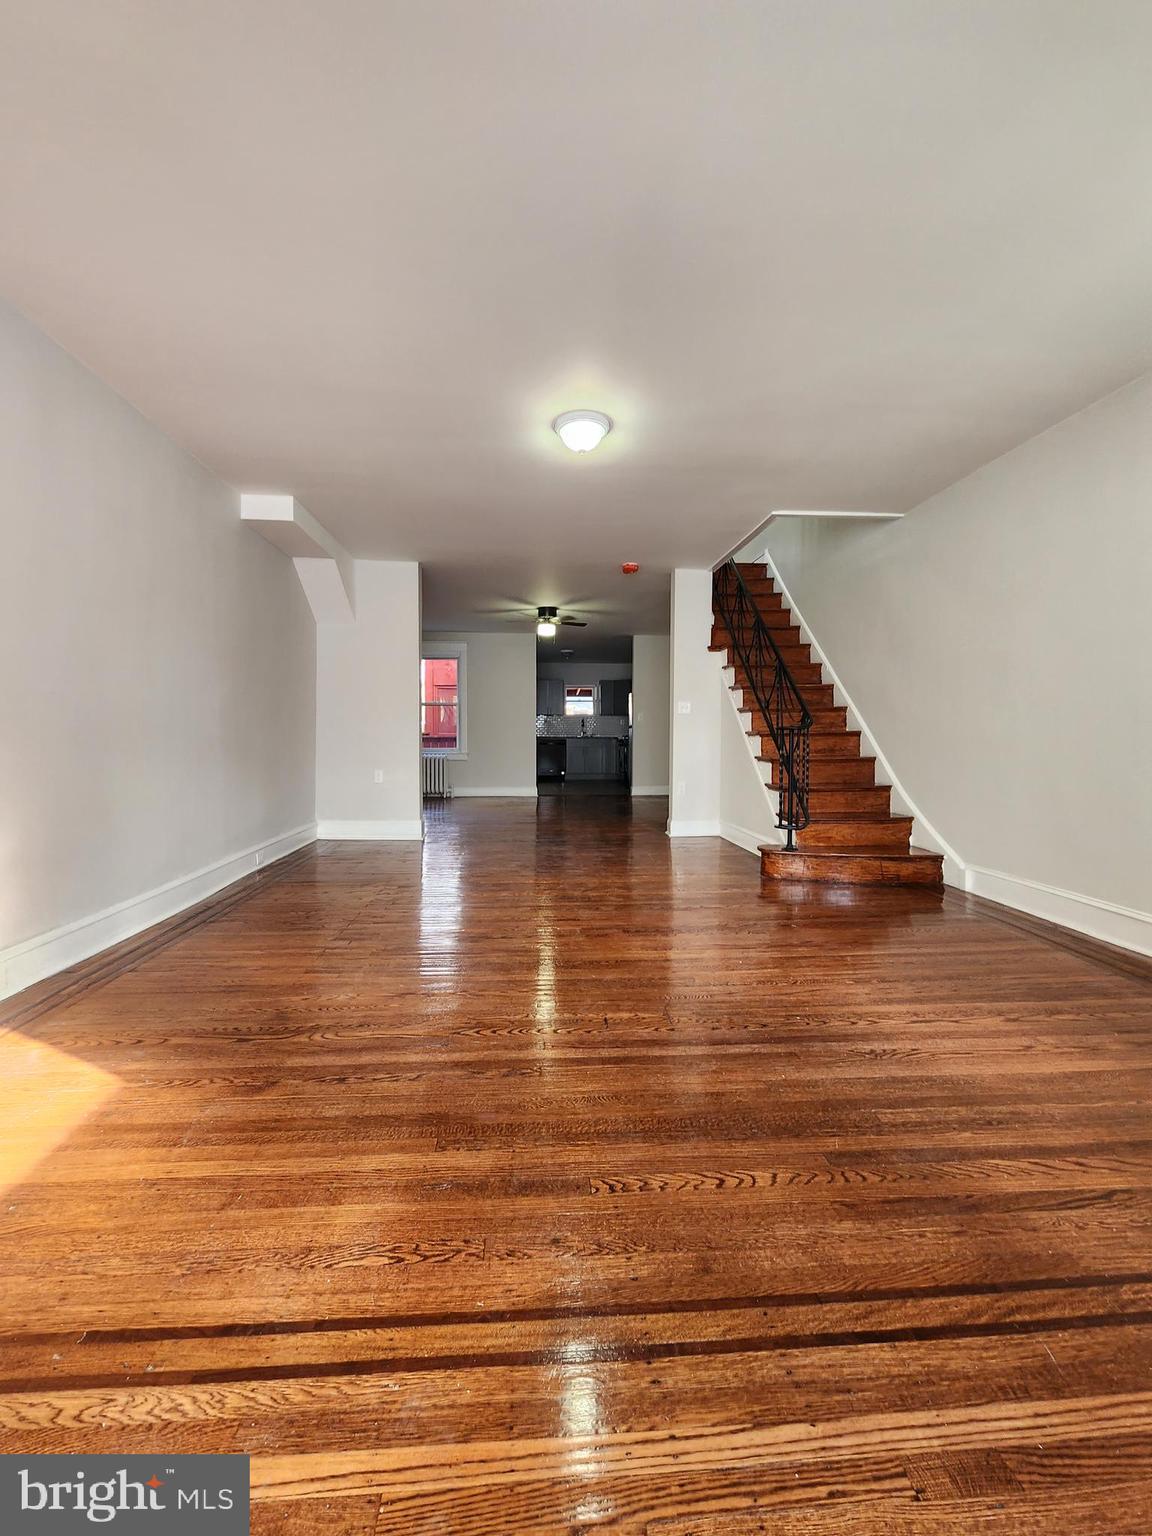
x: 694, y: 829
x: 650, y: 789
x: 38, y: 958
x: 1124, y: 926
x: 743, y: 837
x: 497, y: 794
x: 370, y: 831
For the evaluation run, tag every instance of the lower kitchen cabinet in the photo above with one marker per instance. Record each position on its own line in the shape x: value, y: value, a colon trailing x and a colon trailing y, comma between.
x: 592, y: 757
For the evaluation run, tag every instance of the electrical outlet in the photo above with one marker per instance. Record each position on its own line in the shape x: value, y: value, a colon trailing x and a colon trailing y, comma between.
x: 684, y: 706
x: 379, y: 775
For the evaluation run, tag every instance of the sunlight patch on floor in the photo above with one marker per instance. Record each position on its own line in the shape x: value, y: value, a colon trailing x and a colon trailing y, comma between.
x: 45, y: 1095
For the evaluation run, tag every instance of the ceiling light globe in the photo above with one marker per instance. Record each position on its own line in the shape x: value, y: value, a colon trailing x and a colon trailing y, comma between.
x: 582, y: 430
x: 546, y: 629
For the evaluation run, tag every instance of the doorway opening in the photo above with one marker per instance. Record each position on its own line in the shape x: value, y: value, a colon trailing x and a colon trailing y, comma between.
x: 584, y: 721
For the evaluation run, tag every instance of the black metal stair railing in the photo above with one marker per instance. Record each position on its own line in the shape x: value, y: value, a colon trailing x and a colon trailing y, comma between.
x: 774, y: 689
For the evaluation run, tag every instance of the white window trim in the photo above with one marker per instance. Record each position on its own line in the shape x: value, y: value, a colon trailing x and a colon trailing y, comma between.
x: 578, y: 714
x: 437, y: 652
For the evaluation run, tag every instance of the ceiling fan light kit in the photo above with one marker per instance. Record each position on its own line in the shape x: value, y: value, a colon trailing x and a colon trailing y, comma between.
x: 582, y: 430
x: 547, y: 620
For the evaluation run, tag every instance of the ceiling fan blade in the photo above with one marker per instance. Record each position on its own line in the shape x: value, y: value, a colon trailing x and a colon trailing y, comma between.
x: 578, y: 623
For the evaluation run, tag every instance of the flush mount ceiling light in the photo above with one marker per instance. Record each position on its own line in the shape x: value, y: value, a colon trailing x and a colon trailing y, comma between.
x: 582, y: 430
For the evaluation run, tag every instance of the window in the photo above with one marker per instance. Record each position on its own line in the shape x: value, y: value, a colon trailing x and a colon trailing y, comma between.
x: 580, y: 701
x: 442, y: 714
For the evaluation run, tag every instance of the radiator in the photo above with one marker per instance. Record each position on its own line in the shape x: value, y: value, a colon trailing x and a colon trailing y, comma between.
x: 436, y: 785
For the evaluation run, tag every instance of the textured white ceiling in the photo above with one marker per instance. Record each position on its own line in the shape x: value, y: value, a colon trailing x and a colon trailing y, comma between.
x: 825, y: 254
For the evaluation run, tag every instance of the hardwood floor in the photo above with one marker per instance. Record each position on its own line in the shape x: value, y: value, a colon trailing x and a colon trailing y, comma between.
x: 553, y: 1178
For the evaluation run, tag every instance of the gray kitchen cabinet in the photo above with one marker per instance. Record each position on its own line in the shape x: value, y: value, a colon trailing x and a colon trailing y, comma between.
x: 549, y: 696
x: 580, y: 758
x: 614, y: 693
x: 592, y: 757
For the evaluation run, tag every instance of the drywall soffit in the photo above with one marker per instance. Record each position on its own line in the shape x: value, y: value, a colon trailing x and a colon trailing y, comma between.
x: 325, y: 568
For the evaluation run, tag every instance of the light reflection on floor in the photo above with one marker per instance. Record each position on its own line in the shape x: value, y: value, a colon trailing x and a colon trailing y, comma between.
x: 46, y: 1095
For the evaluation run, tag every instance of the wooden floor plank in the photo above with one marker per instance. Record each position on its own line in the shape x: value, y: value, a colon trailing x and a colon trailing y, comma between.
x: 1110, y: 1512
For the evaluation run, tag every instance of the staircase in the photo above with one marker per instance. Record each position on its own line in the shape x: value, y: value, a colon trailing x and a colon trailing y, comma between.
x: 838, y: 818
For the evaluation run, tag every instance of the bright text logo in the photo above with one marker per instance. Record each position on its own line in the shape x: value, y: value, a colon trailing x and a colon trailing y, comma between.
x: 57, y: 1495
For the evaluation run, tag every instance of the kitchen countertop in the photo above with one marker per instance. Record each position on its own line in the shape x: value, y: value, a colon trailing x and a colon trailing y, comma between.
x: 592, y: 736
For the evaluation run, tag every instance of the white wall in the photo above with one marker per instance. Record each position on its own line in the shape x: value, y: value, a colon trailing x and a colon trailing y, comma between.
x: 157, y: 683
x: 747, y: 810
x: 998, y: 643
x: 368, y: 709
x: 651, y: 660
x: 501, y: 708
x: 694, y: 808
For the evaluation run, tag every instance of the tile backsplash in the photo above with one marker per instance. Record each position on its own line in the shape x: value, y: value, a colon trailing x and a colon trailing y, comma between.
x: 570, y: 725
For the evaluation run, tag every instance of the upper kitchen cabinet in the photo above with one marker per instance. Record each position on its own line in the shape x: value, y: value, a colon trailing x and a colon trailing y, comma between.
x: 614, y: 693
x: 549, y: 696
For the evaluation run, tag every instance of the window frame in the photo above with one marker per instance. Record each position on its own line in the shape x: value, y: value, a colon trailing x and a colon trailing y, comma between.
x: 593, y: 699
x: 458, y: 652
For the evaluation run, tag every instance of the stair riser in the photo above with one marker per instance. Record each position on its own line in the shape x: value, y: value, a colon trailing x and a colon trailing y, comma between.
x: 824, y: 721
x: 774, y: 618
x: 785, y: 642
x: 793, y: 656
x: 805, y: 674
x: 765, y: 603
x: 840, y: 747
x: 815, y: 695
x: 832, y: 773
x: 846, y: 773
x: 874, y: 801
x: 865, y: 869
x: 763, y: 592
x: 894, y: 836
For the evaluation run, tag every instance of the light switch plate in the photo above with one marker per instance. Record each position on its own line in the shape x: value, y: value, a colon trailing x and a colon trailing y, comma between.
x: 684, y: 706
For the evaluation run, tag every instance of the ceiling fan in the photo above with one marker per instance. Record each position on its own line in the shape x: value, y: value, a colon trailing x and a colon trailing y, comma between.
x: 519, y: 611
x: 547, y: 619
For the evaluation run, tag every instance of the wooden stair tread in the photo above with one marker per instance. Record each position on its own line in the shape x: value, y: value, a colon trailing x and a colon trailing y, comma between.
x: 861, y: 816
x: 865, y: 851
x: 838, y: 785
x: 839, y: 731
x: 824, y: 737
x: 828, y: 729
